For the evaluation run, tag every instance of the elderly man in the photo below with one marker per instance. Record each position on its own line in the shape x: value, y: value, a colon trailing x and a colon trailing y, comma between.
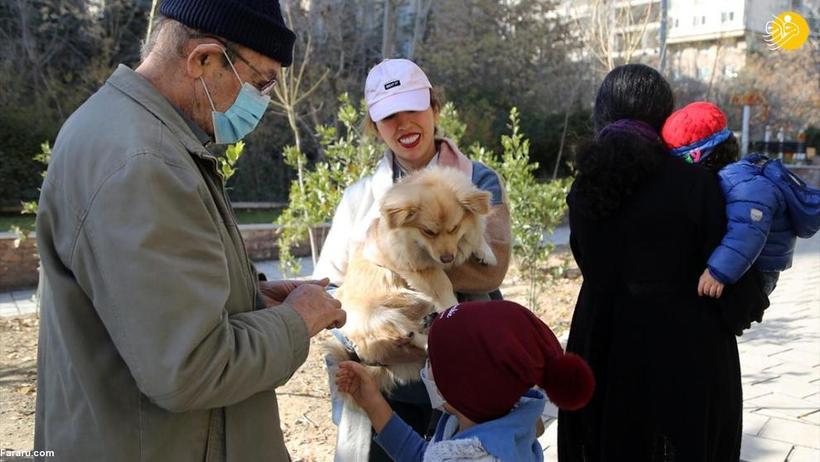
x: 156, y: 340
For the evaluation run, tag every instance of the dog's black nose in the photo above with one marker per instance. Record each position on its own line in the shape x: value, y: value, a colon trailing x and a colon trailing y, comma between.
x: 447, y: 258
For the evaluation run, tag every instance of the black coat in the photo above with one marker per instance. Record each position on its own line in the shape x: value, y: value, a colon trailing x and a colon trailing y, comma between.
x: 665, y: 360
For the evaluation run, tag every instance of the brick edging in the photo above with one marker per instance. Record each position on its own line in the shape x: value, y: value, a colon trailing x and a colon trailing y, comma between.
x: 18, y: 265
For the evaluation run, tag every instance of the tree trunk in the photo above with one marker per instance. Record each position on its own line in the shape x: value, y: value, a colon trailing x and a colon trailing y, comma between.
x: 421, y: 10
x: 561, y: 148
x: 388, y: 35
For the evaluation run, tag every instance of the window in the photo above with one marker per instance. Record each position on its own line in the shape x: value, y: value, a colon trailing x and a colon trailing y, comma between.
x: 723, y: 16
x: 731, y: 16
x: 676, y: 22
x: 703, y: 19
x: 695, y: 21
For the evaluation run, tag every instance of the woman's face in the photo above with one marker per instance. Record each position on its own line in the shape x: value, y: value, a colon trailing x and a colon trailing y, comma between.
x: 410, y: 135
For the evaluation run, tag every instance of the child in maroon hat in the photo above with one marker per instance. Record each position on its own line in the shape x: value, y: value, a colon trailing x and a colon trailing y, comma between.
x: 484, y: 360
x: 763, y: 203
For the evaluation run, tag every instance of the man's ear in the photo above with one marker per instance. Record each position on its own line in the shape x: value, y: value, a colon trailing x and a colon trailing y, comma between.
x: 203, y: 57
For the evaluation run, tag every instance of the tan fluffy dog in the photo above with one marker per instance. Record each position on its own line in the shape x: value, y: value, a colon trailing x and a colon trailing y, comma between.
x: 431, y: 221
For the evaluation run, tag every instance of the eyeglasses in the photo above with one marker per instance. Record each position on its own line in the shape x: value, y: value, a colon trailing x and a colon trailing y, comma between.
x: 264, y: 88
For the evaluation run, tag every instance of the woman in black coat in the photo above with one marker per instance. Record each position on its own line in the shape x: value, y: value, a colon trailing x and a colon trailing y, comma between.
x: 642, y: 227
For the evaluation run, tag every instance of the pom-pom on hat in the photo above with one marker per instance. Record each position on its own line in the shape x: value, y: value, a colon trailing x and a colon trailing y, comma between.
x: 256, y: 24
x: 486, y: 355
x: 693, y: 131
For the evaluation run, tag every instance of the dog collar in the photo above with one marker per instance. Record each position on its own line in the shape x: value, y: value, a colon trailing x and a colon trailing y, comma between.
x: 350, y: 347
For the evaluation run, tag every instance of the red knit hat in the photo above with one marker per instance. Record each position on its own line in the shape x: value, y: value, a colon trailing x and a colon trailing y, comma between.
x: 486, y: 355
x: 693, y: 131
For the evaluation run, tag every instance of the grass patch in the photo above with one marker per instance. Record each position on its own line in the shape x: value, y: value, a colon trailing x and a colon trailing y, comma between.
x: 244, y: 217
x: 7, y: 220
x: 252, y: 217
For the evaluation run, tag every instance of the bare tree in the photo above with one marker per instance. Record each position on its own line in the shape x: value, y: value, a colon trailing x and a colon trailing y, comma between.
x: 611, y: 31
x: 713, y: 73
x: 289, y: 93
x: 151, y: 18
x: 421, y: 10
x: 388, y: 29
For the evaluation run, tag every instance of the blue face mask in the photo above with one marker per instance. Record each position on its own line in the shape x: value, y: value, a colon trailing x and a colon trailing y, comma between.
x: 242, y: 117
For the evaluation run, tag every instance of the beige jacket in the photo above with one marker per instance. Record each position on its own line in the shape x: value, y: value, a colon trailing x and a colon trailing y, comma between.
x: 152, y: 346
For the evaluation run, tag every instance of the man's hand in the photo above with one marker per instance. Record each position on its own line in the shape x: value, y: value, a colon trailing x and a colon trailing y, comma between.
x: 316, y: 307
x: 354, y: 380
x: 709, y: 286
x: 275, y: 292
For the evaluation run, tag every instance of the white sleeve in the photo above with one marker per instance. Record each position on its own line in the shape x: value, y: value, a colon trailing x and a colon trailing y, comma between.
x: 334, y: 256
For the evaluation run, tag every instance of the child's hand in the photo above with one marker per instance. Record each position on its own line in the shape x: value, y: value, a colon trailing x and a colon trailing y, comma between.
x: 709, y: 286
x: 354, y: 380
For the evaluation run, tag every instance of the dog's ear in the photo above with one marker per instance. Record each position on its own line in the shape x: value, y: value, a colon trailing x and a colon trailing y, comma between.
x: 398, y: 212
x: 476, y: 201
x: 400, y: 216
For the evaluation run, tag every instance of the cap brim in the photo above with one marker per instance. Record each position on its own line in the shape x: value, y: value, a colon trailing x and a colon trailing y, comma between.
x: 413, y: 100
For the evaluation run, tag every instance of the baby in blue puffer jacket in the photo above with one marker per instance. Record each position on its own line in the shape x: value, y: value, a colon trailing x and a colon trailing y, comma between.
x: 761, y: 231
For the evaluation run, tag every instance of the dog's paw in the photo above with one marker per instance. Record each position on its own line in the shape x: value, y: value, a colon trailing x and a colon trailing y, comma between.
x: 485, y: 256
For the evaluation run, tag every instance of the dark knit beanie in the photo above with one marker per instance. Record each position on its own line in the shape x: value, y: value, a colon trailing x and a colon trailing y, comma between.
x: 693, y: 132
x: 485, y: 355
x: 256, y: 24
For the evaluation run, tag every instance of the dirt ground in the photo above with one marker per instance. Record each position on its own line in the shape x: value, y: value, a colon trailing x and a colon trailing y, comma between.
x: 18, y: 376
x: 304, y: 402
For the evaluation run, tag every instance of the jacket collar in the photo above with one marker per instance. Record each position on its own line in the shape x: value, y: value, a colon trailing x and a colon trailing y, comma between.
x: 140, y: 90
x: 511, y: 437
x: 448, y: 156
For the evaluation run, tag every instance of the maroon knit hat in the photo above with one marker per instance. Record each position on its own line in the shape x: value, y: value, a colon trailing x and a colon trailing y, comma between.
x: 486, y: 355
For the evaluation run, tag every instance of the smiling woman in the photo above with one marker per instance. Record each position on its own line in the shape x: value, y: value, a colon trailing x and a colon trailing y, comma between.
x: 403, y: 111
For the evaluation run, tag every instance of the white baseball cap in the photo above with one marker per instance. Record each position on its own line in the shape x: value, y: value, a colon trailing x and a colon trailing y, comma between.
x: 396, y: 85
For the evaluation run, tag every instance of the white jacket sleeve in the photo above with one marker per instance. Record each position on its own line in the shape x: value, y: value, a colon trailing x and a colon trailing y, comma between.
x: 334, y: 256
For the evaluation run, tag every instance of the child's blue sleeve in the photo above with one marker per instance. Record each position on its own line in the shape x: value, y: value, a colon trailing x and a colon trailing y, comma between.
x: 400, y: 442
x: 750, y: 207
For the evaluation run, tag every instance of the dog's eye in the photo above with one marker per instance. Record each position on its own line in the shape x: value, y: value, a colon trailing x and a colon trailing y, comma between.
x: 429, y: 232
x: 455, y: 228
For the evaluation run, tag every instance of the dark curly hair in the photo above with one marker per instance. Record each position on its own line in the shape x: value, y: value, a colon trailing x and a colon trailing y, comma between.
x: 633, y: 91
x: 611, y: 168
x: 724, y: 154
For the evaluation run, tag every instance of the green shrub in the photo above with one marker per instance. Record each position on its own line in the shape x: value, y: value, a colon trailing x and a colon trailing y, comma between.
x: 20, y: 173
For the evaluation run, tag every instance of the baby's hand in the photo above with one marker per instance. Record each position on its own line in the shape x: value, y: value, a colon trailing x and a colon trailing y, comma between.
x: 354, y: 380
x: 709, y: 286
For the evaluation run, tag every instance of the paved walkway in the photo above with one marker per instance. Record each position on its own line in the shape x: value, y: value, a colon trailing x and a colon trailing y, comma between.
x: 780, y: 363
x: 17, y: 303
